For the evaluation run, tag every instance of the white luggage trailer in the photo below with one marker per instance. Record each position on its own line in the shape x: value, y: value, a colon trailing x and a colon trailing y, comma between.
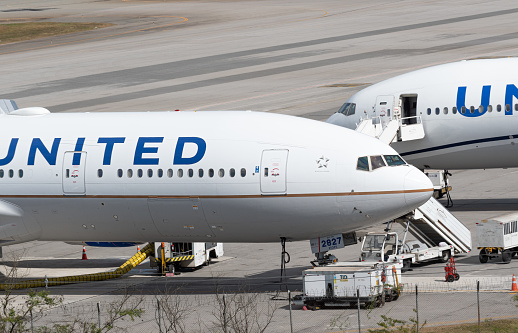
x: 497, y: 237
x: 340, y: 283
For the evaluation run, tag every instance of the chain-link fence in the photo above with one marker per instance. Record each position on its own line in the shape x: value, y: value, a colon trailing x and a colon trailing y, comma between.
x: 420, y: 308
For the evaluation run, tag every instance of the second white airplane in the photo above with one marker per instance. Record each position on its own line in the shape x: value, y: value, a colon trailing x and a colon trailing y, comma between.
x: 460, y: 115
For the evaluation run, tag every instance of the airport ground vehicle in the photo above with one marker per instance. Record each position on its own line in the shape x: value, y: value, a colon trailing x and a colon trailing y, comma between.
x: 171, y: 256
x: 497, y: 237
x: 439, y: 179
x: 347, y: 283
x: 388, y: 248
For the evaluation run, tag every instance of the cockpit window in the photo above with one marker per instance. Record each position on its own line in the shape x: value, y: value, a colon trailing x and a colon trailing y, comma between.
x: 394, y: 160
x: 377, y: 162
x: 363, y: 163
x: 348, y: 109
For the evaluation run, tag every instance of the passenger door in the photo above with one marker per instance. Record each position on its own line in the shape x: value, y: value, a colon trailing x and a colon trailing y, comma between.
x: 74, y: 165
x: 273, y: 171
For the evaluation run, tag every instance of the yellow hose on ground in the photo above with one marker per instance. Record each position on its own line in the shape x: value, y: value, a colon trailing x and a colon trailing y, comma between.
x: 123, y: 269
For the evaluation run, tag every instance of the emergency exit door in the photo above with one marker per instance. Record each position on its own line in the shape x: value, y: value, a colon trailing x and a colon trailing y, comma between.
x: 273, y: 171
x: 74, y: 163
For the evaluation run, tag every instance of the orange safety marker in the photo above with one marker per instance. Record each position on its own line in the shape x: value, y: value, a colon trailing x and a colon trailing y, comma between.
x: 84, y: 254
x: 514, y: 286
x: 138, y: 248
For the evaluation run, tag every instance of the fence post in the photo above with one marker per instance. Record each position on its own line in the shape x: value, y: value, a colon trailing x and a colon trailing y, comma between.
x: 359, y: 321
x: 417, y: 308
x: 159, y: 316
x: 291, y: 318
x: 99, y: 314
x: 478, y: 304
x: 32, y: 323
x: 224, y: 315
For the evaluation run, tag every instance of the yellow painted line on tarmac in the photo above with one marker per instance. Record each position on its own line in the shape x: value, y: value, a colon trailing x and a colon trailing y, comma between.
x: 184, y: 19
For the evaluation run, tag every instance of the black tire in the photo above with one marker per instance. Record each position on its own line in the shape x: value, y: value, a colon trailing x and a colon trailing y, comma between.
x: 395, y: 295
x: 406, y: 265
x: 450, y: 278
x: 445, y: 256
x: 507, y: 256
x: 456, y: 276
x: 170, y: 268
x: 483, y: 257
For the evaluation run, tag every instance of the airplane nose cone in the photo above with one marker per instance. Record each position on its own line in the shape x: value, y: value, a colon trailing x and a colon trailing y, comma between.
x: 418, y: 188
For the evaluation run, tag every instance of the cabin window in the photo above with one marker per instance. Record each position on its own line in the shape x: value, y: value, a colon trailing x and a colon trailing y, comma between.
x: 472, y: 109
x: 437, y: 111
x: 119, y: 173
x: 179, y: 173
x: 445, y: 110
x: 150, y: 173
x: 130, y: 173
x: 377, y: 162
x: 243, y: 172
x: 429, y: 111
x: 140, y: 173
x: 211, y: 173
x: 11, y: 173
x: 232, y: 172
x: 394, y: 160
x: 190, y: 172
x: 454, y: 110
x: 490, y: 108
x: 20, y: 173
x: 463, y: 110
x: 507, y: 107
x: 170, y: 173
x: 200, y: 173
x: 221, y: 173
x: 99, y: 173
x: 160, y: 173
x: 499, y: 108
x: 2, y: 173
x: 348, y: 109
x: 516, y: 107
x: 363, y: 163
x: 481, y: 109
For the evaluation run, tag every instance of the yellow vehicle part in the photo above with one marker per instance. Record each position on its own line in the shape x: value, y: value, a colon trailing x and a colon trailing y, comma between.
x: 123, y: 269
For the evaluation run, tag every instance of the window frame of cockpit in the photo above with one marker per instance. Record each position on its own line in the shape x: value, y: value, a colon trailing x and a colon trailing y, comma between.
x: 369, y: 162
x: 347, y: 107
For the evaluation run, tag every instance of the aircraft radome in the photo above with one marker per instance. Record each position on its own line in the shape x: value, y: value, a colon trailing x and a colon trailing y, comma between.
x: 461, y: 115
x: 193, y: 176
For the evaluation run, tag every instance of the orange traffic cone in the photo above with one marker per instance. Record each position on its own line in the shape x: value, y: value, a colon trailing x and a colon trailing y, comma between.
x: 138, y: 248
x: 514, y: 286
x: 84, y: 254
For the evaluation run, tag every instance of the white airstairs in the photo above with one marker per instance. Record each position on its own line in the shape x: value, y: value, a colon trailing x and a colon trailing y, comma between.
x: 432, y: 223
x: 395, y: 129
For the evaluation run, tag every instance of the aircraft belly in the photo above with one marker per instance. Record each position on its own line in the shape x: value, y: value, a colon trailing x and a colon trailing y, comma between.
x: 98, y: 220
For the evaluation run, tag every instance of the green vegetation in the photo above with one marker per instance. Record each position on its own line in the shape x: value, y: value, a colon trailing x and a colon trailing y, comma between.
x: 16, y: 32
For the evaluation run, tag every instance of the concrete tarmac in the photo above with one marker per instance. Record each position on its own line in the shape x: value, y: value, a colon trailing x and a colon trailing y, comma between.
x: 302, y: 58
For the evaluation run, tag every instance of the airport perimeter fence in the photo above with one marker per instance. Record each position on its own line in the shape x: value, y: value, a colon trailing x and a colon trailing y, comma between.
x: 433, y: 307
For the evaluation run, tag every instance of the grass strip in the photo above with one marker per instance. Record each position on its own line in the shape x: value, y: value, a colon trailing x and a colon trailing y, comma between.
x: 17, y: 32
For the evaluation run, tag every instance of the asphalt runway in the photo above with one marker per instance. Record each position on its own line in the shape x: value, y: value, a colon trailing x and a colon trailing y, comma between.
x: 301, y: 58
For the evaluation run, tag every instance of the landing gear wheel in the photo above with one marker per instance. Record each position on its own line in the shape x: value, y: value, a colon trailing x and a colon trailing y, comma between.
x: 445, y: 256
x: 450, y: 278
x: 456, y: 276
x: 507, y: 256
x: 483, y: 257
x: 171, y: 268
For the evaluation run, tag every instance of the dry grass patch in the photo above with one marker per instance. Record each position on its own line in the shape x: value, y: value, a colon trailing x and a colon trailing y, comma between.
x: 505, y: 325
x: 17, y: 32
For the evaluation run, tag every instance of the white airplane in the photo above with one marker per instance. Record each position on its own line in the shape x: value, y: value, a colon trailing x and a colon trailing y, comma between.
x: 193, y: 176
x: 452, y: 116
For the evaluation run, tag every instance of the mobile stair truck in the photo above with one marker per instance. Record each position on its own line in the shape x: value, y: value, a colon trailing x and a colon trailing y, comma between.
x: 349, y: 283
x: 171, y: 256
x: 439, y: 235
x: 497, y: 238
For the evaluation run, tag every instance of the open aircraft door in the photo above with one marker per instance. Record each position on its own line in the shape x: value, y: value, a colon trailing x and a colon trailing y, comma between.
x: 74, y: 163
x: 273, y: 171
